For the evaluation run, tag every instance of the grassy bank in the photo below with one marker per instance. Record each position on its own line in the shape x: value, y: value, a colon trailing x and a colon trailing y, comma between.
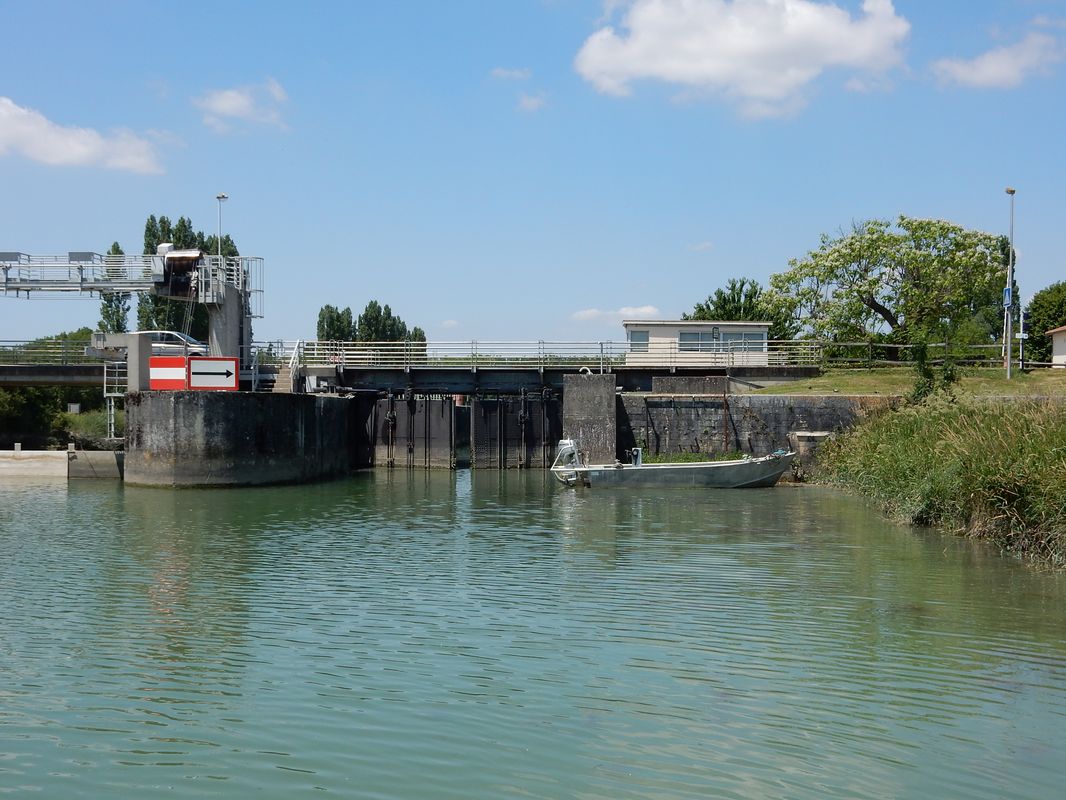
x: 900, y: 381
x: 984, y: 468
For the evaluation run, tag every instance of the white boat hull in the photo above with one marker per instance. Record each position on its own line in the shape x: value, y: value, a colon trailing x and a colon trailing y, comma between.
x: 741, y: 473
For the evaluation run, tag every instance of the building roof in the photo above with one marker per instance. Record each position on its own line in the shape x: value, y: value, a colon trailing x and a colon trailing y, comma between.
x: 1055, y: 330
x: 698, y: 323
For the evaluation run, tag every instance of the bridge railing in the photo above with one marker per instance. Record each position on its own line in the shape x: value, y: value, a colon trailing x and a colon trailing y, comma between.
x: 45, y: 351
x: 597, y: 356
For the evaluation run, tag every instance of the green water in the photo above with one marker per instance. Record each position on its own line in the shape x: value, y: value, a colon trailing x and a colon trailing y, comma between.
x: 486, y: 636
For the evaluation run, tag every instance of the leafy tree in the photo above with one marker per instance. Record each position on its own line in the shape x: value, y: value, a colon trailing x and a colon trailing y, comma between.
x: 378, y: 324
x: 114, y: 306
x: 910, y: 283
x: 743, y: 300
x: 335, y: 325
x: 1047, y: 310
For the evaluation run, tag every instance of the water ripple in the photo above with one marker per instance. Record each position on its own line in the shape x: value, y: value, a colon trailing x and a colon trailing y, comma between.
x: 412, y: 635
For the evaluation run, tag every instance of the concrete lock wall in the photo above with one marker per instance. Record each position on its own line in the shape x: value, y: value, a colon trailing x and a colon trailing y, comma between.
x: 755, y: 424
x: 590, y: 414
x: 236, y: 438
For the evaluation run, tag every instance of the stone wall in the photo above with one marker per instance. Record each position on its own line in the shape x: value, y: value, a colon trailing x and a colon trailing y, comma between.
x: 755, y: 424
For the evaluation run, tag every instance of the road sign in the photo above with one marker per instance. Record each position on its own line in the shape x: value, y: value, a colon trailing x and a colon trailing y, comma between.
x: 213, y: 373
x: 1021, y: 336
x: 168, y: 372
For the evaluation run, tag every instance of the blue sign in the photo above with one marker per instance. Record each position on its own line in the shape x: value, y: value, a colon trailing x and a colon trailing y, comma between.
x: 1006, y: 296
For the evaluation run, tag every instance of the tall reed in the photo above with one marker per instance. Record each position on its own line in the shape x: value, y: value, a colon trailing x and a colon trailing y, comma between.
x: 991, y: 469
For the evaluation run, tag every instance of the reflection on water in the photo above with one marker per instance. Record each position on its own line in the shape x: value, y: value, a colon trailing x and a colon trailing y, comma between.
x: 493, y: 634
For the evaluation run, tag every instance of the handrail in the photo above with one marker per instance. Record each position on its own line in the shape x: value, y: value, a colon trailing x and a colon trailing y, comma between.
x: 598, y: 356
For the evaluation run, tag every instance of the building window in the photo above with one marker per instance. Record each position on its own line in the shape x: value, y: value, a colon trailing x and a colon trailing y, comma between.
x: 747, y: 342
x: 699, y: 341
x: 638, y: 341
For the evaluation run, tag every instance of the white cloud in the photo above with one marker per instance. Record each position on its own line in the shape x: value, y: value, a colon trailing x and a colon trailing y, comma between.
x: 531, y: 102
x: 450, y: 323
x: 702, y: 247
x: 260, y: 104
x: 626, y: 312
x: 507, y: 74
x: 1044, y: 21
x: 761, y: 54
x: 1003, y: 67
x: 32, y: 135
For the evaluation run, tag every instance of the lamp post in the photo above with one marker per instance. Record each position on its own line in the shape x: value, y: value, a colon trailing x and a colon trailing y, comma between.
x: 1008, y: 293
x: 223, y: 197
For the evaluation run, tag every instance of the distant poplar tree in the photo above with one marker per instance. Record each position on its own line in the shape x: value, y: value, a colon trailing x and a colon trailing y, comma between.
x: 114, y: 306
x: 335, y: 325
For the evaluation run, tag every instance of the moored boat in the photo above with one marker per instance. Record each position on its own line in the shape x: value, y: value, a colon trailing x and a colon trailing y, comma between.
x: 742, y: 473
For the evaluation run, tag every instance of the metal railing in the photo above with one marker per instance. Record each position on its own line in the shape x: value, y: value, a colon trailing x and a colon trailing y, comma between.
x: 92, y: 272
x: 598, y: 356
x: 45, y: 351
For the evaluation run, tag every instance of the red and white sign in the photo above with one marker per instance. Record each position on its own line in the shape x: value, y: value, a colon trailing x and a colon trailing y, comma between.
x: 213, y: 374
x: 168, y: 372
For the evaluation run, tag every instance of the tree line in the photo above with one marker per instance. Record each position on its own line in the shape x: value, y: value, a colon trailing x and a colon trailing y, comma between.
x: 377, y: 323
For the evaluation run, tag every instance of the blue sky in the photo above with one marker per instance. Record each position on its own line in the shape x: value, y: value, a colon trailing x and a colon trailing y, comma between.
x: 523, y: 169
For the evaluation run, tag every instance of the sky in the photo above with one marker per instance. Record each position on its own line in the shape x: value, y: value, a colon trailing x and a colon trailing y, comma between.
x: 521, y: 170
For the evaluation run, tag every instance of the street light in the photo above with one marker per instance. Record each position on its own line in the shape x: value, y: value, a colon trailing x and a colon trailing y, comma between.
x: 222, y: 197
x: 1008, y: 293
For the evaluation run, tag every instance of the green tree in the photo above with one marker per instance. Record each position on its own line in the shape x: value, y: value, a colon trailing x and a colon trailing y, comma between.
x: 743, y: 300
x: 1047, y: 310
x: 114, y: 306
x: 917, y: 281
x: 335, y: 325
x: 378, y: 324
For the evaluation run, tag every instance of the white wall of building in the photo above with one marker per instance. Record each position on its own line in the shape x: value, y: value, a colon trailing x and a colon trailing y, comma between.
x: 690, y: 343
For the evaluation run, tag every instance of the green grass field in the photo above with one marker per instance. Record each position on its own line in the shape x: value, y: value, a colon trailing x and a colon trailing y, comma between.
x: 900, y: 381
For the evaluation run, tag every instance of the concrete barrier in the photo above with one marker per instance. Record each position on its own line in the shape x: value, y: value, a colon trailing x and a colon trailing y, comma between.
x: 95, y: 464
x: 33, y: 463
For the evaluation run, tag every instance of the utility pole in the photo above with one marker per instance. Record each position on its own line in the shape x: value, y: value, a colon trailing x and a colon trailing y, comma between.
x: 1008, y: 293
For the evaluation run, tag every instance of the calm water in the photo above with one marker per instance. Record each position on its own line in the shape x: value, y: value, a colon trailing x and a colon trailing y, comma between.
x: 485, y: 636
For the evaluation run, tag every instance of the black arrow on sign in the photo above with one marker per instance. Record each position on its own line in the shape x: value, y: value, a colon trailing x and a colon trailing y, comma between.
x: 228, y: 373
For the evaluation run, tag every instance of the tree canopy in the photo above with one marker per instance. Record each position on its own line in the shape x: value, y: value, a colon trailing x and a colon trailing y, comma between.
x: 335, y: 325
x: 906, y: 282
x: 743, y: 300
x: 377, y: 323
x: 1047, y: 310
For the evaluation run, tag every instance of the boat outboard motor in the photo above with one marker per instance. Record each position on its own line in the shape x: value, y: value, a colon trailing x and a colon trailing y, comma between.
x: 637, y: 456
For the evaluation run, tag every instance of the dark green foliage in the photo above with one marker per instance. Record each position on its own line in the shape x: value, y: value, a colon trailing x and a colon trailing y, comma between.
x: 742, y: 301
x: 1047, y: 311
x: 335, y: 325
x: 377, y: 323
